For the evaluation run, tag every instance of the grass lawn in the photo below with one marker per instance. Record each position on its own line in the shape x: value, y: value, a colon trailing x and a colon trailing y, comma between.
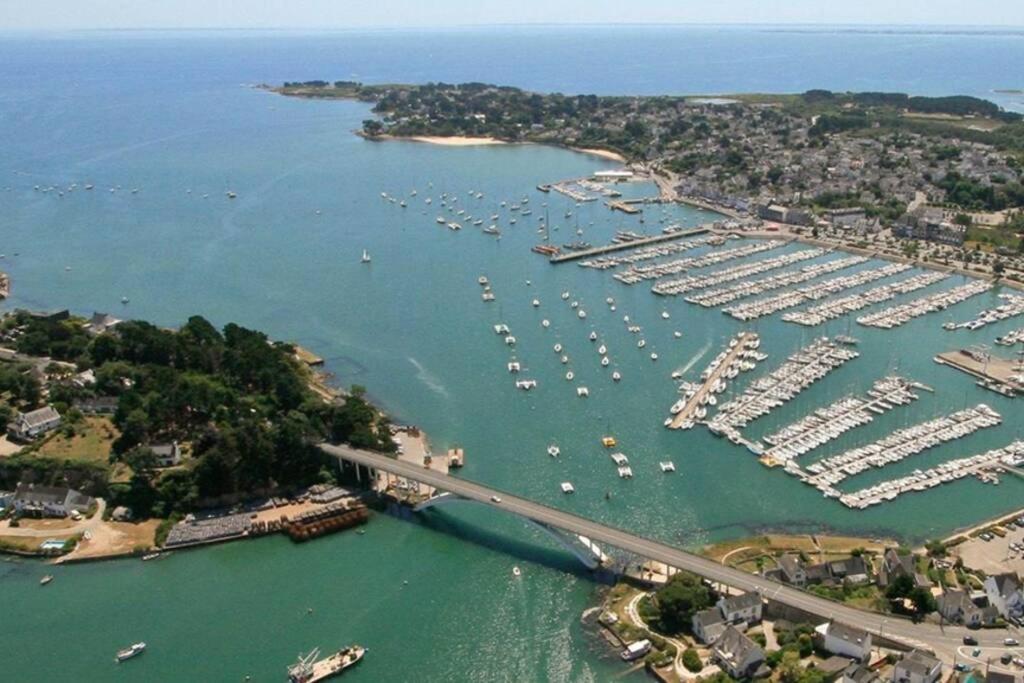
x: 91, y: 442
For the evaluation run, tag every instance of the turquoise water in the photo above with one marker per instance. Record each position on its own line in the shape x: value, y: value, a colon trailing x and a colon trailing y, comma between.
x: 165, y: 113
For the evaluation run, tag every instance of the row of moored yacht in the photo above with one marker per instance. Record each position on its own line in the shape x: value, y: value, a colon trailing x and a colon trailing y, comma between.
x: 834, y: 308
x: 894, y: 316
x: 724, y: 295
x: 689, y: 283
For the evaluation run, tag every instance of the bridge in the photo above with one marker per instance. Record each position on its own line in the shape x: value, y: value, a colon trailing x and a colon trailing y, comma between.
x: 943, y: 640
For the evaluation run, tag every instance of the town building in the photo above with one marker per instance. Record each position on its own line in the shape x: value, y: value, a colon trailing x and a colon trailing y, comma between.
x: 917, y: 667
x: 840, y: 639
x: 859, y: 673
x: 1004, y: 593
x: 958, y: 607
x: 100, y: 323
x: 895, y: 565
x: 741, y: 609
x: 27, y: 426
x: 738, y: 655
x: 708, y: 625
x: 49, y: 501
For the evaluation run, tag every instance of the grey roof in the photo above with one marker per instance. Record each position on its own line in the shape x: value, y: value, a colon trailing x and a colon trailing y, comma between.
x: 918, y: 662
x: 735, y: 646
x: 1006, y: 584
x: 859, y: 673
x: 708, y: 617
x: 740, y: 602
x: 848, y: 566
x: 40, y: 416
x: 41, y: 494
x: 165, y: 450
x: 790, y: 564
x: 850, y: 634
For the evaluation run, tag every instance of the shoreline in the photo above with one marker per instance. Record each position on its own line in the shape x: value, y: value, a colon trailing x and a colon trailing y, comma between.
x: 467, y: 141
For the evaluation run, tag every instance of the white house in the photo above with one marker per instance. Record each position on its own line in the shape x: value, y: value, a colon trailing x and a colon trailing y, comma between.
x: 917, y: 667
x: 745, y: 608
x: 708, y: 625
x: 1004, y: 593
x: 49, y: 501
x: 840, y: 639
x: 167, y: 454
x: 27, y: 426
x: 957, y: 606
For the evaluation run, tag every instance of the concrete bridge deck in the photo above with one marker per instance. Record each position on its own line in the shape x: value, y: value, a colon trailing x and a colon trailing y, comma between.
x: 942, y: 640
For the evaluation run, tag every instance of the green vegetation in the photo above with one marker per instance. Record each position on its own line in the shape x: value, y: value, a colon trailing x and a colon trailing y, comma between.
x: 691, y: 660
x: 243, y: 403
x: 671, y: 608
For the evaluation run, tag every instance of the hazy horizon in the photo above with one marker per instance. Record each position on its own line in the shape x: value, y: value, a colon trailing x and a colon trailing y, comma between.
x: 410, y: 14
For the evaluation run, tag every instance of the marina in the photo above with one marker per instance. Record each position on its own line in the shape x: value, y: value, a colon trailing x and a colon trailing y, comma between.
x: 828, y: 423
x: 894, y: 316
x: 635, y: 274
x: 770, y: 305
x: 689, y: 283
x: 1013, y: 307
x: 623, y: 246
x: 1011, y: 338
x: 834, y: 308
x: 985, y: 466
x: 800, y: 370
x: 660, y: 249
x: 724, y: 295
x: 741, y: 354
x: 903, y: 443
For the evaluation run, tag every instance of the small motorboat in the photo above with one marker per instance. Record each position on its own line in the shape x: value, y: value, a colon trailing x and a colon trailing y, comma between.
x: 45, y: 580
x: 554, y: 451
x: 516, y: 572
x: 129, y: 652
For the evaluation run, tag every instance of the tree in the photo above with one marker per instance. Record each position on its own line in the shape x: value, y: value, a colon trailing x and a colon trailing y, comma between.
x: 373, y: 127
x: 679, y: 599
x: 691, y: 660
x: 133, y: 431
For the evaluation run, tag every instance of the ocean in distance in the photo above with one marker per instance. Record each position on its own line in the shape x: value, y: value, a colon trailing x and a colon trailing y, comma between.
x: 165, y: 112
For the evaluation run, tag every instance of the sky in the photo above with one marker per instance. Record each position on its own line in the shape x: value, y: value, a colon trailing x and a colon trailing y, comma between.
x: 331, y: 14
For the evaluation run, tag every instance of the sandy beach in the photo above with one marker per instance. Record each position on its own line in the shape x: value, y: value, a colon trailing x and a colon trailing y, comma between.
x: 603, y: 153
x: 455, y: 141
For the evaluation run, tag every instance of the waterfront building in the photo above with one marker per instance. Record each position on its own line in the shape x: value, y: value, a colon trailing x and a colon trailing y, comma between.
x: 27, y: 426
x: 792, y: 570
x: 100, y: 323
x: 708, y: 625
x: 840, y: 639
x: 895, y: 565
x: 1004, y: 593
x: 49, y: 501
x: 738, y: 655
x: 741, y: 609
x: 958, y: 607
x: 917, y: 667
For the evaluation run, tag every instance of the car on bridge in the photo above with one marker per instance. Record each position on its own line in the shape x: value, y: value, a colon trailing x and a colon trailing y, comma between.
x: 495, y: 499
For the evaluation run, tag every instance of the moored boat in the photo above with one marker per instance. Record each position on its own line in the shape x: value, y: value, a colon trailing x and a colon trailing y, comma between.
x: 309, y: 669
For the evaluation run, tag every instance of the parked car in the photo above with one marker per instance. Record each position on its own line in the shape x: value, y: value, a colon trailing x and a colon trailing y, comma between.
x: 1005, y: 659
x: 1010, y: 642
x: 970, y: 640
x: 976, y: 652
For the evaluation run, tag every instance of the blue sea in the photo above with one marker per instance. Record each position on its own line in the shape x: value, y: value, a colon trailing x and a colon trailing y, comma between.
x: 173, y: 116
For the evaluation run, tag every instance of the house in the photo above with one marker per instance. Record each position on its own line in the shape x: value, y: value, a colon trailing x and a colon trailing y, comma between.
x: 49, y: 501
x: 851, y: 570
x: 708, y: 625
x: 859, y: 673
x: 167, y: 454
x: 817, y: 574
x: 100, y: 323
x: 917, y: 667
x: 895, y: 565
x: 741, y: 609
x: 792, y: 570
x: 840, y: 639
x: 27, y: 426
x: 958, y: 607
x: 846, y: 217
x: 99, y: 405
x: 738, y: 655
x: 1004, y: 593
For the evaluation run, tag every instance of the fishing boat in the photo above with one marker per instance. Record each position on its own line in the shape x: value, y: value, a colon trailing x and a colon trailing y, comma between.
x: 309, y: 669
x: 129, y: 652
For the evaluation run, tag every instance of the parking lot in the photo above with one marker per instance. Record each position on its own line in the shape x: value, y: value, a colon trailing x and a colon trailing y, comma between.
x: 997, y: 555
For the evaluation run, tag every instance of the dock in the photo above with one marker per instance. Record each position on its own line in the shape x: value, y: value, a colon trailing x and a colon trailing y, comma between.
x: 700, y: 397
x: 625, y: 206
x: 622, y: 246
x: 306, y: 356
x: 999, y: 374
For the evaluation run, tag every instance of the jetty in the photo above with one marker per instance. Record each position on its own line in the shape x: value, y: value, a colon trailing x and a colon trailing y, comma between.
x: 1013, y: 307
x: 723, y: 295
x: 622, y: 246
x: 1002, y: 375
x: 725, y: 366
x: 834, y: 308
x: 985, y: 466
x: 897, y: 446
x: 894, y: 316
x: 631, y: 276
x: 626, y: 206
x: 744, y: 270
x: 828, y: 423
x: 802, y: 369
x: 657, y: 250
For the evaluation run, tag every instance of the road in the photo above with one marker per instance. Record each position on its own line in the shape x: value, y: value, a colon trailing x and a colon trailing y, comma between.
x: 944, y: 641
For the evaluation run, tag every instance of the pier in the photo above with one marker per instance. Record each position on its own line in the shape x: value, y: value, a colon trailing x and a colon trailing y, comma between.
x: 999, y: 374
x: 723, y: 295
x: 631, y: 276
x: 833, y: 308
x: 726, y: 275
x: 625, y: 206
x: 828, y: 423
x: 611, y: 248
x: 715, y: 374
x: 894, y: 316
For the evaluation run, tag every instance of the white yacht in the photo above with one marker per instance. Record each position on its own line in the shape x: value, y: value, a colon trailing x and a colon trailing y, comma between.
x: 365, y: 257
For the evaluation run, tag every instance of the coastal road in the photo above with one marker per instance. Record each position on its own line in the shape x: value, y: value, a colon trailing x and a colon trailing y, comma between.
x: 944, y: 641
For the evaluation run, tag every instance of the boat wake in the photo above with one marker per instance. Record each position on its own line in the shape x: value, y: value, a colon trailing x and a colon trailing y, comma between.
x: 693, y: 361
x: 425, y: 376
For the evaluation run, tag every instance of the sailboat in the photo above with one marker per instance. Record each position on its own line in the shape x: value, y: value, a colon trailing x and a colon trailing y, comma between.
x: 366, y: 257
